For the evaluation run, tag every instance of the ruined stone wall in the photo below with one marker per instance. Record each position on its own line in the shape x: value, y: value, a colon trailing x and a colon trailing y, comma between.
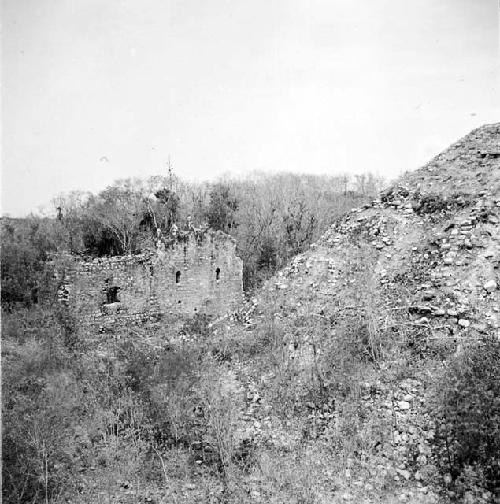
x: 195, y: 273
x: 199, y: 274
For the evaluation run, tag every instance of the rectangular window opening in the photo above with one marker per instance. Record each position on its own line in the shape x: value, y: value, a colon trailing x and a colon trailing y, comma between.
x: 112, y: 295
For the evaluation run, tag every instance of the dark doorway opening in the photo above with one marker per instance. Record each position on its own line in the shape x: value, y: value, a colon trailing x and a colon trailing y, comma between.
x: 112, y: 295
x: 178, y: 277
x: 217, y: 274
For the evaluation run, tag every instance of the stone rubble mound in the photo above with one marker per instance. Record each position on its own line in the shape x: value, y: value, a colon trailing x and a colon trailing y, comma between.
x: 433, y: 245
x: 436, y: 233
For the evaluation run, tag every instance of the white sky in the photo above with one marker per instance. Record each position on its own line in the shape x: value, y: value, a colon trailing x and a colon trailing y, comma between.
x: 95, y: 90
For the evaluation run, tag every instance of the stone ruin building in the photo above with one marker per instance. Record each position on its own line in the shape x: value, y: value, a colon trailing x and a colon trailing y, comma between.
x: 190, y: 272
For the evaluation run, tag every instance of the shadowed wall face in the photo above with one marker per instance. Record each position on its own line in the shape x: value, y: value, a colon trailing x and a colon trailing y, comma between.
x: 195, y: 275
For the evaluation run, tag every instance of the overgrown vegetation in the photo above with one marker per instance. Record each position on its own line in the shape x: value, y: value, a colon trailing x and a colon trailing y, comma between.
x: 436, y: 204
x: 74, y: 419
x: 466, y: 407
x: 145, y: 414
x: 272, y: 218
x: 295, y: 401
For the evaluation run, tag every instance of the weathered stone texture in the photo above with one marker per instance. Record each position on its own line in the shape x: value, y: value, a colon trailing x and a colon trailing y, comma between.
x: 197, y: 273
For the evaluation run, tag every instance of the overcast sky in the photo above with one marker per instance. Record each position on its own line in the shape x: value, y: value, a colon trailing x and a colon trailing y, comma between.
x: 95, y: 90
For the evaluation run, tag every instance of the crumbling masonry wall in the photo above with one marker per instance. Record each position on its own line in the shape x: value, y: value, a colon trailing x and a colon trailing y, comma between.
x: 196, y: 273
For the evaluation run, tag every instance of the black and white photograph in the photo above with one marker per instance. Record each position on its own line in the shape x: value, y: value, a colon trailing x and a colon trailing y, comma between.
x: 250, y: 251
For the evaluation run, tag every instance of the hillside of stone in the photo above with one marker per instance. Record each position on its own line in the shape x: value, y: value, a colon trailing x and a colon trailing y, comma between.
x: 434, y: 235
x: 407, y: 281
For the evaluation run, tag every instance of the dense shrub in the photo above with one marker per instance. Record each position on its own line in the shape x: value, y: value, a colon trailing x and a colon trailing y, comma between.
x: 466, y: 408
x: 198, y: 324
x: 435, y: 203
x: 41, y: 400
x: 26, y: 273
